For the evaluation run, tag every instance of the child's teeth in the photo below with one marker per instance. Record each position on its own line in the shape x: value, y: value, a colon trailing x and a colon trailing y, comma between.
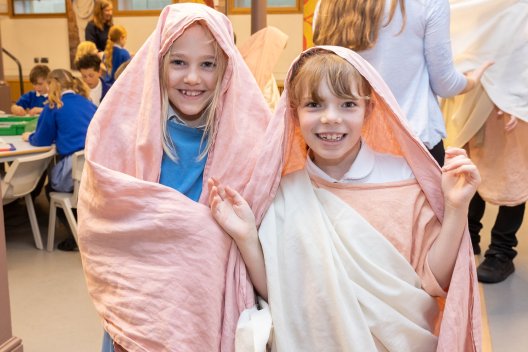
x: 331, y: 136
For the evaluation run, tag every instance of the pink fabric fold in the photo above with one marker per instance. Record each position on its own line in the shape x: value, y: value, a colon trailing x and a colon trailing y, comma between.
x: 385, y: 130
x: 163, y: 276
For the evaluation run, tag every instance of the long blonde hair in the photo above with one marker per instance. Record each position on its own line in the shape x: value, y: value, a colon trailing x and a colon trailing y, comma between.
x: 98, y: 17
x: 210, y: 110
x: 343, y: 79
x: 115, y: 33
x: 353, y: 24
x: 60, y: 80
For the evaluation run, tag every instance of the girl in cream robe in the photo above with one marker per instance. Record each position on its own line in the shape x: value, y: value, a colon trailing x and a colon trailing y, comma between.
x: 375, y: 257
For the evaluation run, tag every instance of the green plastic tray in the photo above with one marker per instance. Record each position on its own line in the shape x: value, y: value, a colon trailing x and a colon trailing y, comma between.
x: 14, y: 125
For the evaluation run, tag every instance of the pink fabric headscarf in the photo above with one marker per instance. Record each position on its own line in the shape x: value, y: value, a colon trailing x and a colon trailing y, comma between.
x: 161, y: 272
x: 385, y: 130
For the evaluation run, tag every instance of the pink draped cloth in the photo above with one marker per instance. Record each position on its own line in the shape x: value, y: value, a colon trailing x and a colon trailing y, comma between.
x: 385, y: 130
x: 162, y: 274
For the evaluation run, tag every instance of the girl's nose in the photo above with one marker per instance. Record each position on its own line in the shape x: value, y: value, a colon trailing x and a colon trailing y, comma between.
x: 191, y: 77
x: 331, y: 116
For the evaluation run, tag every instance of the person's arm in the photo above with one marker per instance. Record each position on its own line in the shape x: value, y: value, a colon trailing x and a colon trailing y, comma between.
x: 235, y: 216
x: 460, y: 179
x: 46, y: 130
x: 89, y: 32
x: 35, y: 111
x: 17, y: 110
x: 445, y: 80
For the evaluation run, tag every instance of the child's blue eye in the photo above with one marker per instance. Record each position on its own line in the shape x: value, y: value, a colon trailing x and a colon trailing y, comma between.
x: 177, y: 62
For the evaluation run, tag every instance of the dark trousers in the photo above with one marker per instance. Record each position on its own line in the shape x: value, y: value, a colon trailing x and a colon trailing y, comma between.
x: 438, y: 152
x: 503, y: 233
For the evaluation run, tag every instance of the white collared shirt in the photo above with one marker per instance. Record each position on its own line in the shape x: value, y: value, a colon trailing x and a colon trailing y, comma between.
x: 368, y: 167
x: 67, y: 91
x: 199, y: 123
x: 41, y: 95
x: 96, y: 93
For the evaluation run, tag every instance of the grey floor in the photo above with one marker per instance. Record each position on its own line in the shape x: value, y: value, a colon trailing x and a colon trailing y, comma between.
x: 52, y: 312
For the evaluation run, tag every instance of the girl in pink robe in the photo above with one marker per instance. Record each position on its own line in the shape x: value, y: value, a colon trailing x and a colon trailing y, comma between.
x: 162, y: 274
x: 365, y: 244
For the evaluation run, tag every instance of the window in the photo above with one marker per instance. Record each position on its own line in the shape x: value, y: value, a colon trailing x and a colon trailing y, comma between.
x: 38, y: 7
x: 142, y: 5
x: 274, y: 6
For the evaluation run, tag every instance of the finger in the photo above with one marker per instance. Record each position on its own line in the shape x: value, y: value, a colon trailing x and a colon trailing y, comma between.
x: 235, y: 196
x: 453, y: 161
x: 221, y: 191
x: 452, y: 152
x: 456, y: 162
x: 469, y: 171
x: 212, y: 194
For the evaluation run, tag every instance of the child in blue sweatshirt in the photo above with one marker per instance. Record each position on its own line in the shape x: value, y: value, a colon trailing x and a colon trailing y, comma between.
x: 64, y: 122
x: 32, y: 102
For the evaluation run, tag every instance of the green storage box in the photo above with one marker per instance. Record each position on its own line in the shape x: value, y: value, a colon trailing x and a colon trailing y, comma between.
x: 14, y: 125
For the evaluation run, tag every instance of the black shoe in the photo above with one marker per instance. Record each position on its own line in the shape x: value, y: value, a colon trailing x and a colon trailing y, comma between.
x: 68, y: 245
x: 495, y: 268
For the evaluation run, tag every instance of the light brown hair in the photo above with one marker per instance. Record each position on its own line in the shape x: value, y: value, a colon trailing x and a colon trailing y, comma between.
x: 353, y: 24
x: 210, y: 110
x: 98, y: 16
x: 343, y: 79
x: 114, y: 35
x: 60, y: 80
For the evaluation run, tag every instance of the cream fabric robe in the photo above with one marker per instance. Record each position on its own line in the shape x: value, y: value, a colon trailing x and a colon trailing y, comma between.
x: 492, y: 30
x: 458, y: 325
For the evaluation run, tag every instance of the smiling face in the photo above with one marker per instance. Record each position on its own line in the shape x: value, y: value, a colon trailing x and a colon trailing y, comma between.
x: 192, y: 72
x: 330, y: 99
x: 107, y: 14
x: 331, y: 127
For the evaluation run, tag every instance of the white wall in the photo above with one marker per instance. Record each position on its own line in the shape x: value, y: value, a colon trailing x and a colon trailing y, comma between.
x: 29, y: 38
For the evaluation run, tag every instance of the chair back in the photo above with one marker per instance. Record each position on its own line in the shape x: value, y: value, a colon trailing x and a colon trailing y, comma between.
x: 23, y: 175
x: 77, y: 169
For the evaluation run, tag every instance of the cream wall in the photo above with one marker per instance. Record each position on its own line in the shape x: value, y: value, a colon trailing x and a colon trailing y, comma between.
x: 29, y: 38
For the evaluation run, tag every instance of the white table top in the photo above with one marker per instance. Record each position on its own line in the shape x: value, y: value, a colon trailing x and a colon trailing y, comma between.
x: 22, y: 148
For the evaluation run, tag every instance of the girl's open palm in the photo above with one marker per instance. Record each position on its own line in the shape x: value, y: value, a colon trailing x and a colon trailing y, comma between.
x: 460, y: 178
x: 231, y: 211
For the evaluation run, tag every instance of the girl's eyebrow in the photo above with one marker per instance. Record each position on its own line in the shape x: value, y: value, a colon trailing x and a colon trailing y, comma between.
x: 183, y: 55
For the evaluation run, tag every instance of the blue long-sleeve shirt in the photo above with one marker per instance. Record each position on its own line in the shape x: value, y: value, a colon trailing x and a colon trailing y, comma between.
x: 65, y: 126
x: 30, y: 100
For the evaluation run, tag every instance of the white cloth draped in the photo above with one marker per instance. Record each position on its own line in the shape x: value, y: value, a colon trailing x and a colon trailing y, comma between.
x: 330, y: 271
x: 494, y: 30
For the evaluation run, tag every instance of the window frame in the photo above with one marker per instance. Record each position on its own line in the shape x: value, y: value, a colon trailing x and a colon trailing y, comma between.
x: 234, y: 10
x: 11, y: 12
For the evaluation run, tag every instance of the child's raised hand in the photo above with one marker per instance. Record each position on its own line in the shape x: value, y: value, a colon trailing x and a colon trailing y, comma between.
x: 460, y: 178
x: 231, y: 211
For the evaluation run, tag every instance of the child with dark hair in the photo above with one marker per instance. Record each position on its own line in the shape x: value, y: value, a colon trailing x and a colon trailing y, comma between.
x: 90, y: 68
x: 32, y: 102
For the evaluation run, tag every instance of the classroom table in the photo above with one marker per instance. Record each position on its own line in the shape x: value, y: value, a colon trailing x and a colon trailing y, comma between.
x: 22, y: 149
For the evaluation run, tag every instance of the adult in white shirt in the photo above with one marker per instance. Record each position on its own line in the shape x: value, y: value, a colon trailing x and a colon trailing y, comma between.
x: 408, y: 43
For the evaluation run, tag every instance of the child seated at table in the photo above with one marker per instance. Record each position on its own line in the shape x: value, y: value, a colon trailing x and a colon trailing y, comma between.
x: 64, y: 122
x: 90, y: 68
x: 32, y: 102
